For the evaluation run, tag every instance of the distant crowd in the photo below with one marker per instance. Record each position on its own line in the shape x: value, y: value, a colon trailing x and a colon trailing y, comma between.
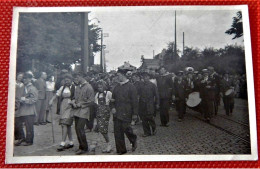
x: 129, y: 97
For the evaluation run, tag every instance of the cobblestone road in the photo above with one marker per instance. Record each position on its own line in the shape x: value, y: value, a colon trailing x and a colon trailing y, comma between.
x: 192, y: 136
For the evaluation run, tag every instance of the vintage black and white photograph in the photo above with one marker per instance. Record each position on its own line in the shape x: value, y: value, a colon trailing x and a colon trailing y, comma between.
x: 161, y: 83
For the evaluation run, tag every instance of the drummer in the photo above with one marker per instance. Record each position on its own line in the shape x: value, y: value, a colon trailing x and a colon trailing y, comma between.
x: 227, y: 92
x: 180, y: 94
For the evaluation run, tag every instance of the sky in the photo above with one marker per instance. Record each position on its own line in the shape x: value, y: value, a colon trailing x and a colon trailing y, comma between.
x: 135, y: 33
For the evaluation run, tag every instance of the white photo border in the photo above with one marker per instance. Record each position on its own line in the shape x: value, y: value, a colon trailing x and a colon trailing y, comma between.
x: 10, y: 159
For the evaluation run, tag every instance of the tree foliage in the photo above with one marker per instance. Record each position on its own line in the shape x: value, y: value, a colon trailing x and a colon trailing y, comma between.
x: 237, y: 26
x: 230, y: 58
x: 52, y: 38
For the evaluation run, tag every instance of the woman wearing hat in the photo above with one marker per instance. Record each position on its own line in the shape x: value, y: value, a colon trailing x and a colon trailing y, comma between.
x: 66, y: 92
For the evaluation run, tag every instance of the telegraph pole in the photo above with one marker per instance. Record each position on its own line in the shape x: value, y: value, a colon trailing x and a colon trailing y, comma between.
x: 183, y: 44
x: 84, y: 42
x: 101, y: 52
x: 175, y: 41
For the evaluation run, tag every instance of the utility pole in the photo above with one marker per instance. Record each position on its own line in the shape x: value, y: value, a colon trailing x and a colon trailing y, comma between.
x: 183, y: 44
x: 84, y: 42
x: 101, y: 52
x: 175, y: 41
x: 153, y: 54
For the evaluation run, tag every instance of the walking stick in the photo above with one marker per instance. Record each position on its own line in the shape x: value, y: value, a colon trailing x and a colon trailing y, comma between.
x: 52, y: 122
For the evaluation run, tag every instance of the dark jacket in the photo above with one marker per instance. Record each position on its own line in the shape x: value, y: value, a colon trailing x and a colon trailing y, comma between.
x: 126, y: 101
x: 207, y: 89
x: 149, y: 97
x: 40, y: 85
x: 164, y: 85
x: 180, y: 91
x: 226, y: 84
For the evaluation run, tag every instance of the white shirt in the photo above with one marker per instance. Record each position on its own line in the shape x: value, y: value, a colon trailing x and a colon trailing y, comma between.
x: 108, y: 97
x: 50, y: 86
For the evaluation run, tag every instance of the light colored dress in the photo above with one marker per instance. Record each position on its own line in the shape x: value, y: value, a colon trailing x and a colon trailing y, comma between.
x: 66, y: 116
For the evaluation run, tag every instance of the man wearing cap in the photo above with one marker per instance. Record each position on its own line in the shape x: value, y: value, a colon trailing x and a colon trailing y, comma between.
x: 124, y: 106
x: 40, y: 84
x: 228, y: 98
x: 84, y: 99
x: 207, y: 95
x: 164, y: 85
x: 180, y: 93
x: 148, y: 101
x: 27, y: 109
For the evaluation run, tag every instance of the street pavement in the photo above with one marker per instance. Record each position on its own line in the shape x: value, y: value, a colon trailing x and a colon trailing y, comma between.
x: 191, y: 136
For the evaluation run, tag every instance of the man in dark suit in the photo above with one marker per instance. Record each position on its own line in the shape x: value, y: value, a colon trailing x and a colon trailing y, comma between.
x: 125, y: 109
x: 180, y: 93
x: 207, y: 92
x: 164, y: 85
x: 215, y: 77
x: 40, y: 84
x: 148, y: 101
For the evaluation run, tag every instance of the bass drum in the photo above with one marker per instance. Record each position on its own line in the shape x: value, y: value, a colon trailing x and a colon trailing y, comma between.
x: 194, y: 101
x: 229, y: 92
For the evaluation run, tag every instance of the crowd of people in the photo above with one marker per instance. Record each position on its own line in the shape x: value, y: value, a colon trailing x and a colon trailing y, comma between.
x: 130, y: 97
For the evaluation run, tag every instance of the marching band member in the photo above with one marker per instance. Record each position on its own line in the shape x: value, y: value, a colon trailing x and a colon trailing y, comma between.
x: 228, y: 98
x: 190, y: 83
x: 180, y: 92
x: 215, y: 77
x: 207, y: 95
